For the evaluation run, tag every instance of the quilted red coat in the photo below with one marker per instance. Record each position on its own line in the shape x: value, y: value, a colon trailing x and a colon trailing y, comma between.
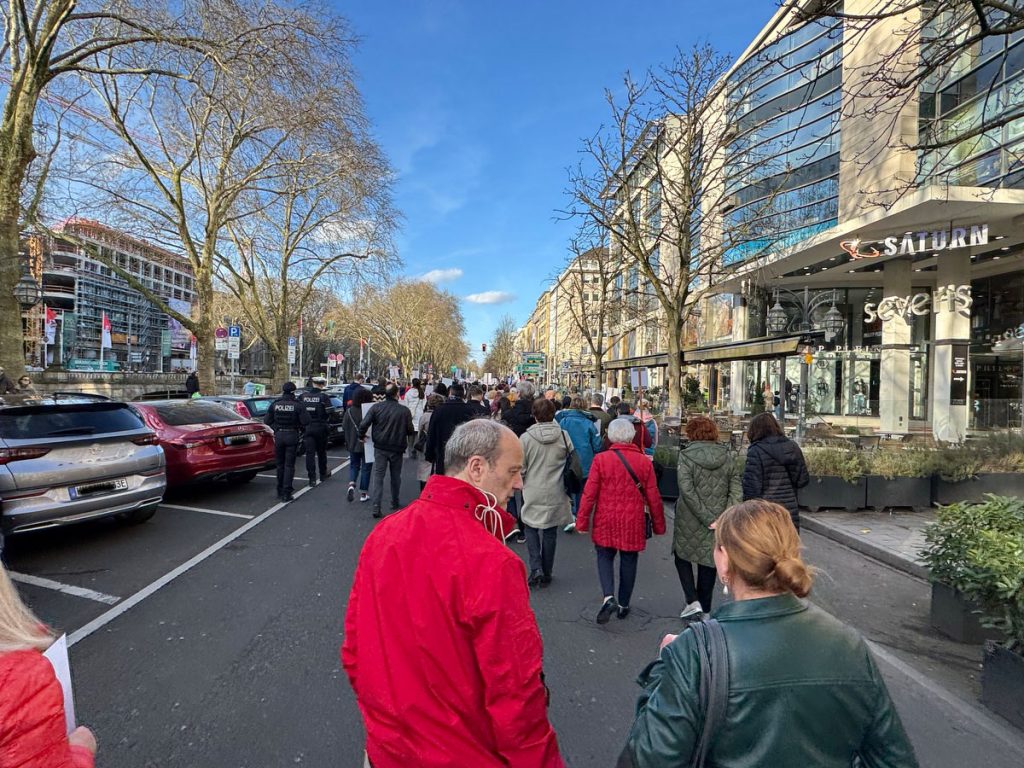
x: 33, y: 733
x: 611, y: 502
x: 441, y: 646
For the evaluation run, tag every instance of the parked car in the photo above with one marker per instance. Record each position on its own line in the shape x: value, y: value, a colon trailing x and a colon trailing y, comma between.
x: 246, y: 406
x: 207, y: 441
x: 71, y: 459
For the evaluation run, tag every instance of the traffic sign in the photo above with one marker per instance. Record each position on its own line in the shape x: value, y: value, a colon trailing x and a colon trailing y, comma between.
x: 234, y: 342
x: 220, y: 333
x: 291, y: 350
x: 220, y: 339
x: 332, y: 358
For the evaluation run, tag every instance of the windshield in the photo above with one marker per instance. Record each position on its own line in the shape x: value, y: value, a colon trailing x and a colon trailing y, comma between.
x: 193, y: 412
x: 259, y: 407
x: 67, y: 420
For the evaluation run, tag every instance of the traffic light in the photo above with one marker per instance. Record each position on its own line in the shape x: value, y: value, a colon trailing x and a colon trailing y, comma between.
x: 483, y: 347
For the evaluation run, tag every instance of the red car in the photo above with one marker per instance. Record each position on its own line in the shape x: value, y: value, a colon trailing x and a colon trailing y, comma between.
x: 207, y: 441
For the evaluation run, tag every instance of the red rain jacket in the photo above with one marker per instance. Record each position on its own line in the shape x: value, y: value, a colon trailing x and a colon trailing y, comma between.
x: 33, y: 733
x: 618, y: 520
x: 441, y: 645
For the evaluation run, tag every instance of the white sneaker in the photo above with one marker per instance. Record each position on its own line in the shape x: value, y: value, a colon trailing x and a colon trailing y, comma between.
x: 693, y: 610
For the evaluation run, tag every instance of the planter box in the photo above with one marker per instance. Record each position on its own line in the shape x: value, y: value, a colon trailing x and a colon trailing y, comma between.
x: 1002, y: 680
x: 833, y: 493
x: 898, y: 492
x: 954, y: 617
x: 999, y: 483
x: 668, y: 481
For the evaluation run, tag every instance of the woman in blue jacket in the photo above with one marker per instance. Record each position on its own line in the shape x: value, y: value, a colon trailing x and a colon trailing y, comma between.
x: 583, y: 430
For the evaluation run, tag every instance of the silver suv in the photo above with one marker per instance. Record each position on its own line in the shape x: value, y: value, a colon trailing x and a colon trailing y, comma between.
x: 67, y: 459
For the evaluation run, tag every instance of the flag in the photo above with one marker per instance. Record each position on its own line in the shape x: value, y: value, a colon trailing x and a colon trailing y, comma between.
x: 105, y: 337
x: 362, y: 343
x: 300, y: 325
x: 192, y: 350
x: 50, y: 325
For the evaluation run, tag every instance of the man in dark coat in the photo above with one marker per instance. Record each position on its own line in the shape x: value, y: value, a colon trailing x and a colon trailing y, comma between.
x: 192, y: 383
x: 520, y: 416
x: 392, y: 424
x: 598, y: 412
x: 446, y: 418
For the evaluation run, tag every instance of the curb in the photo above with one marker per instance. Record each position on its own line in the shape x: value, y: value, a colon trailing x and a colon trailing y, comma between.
x: 864, y: 546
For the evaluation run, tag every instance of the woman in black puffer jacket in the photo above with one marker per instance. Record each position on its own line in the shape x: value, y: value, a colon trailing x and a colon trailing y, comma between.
x: 775, y: 466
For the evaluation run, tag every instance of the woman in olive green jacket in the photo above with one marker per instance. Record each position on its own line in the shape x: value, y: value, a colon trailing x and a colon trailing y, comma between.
x: 709, y: 482
x: 802, y: 689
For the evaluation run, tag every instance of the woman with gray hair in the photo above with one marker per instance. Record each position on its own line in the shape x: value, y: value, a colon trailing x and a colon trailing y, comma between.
x: 620, y: 493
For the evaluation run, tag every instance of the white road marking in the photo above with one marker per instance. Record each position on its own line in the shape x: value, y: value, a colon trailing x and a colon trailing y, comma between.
x: 67, y: 589
x: 295, y: 479
x: 128, y: 603
x: 208, y: 511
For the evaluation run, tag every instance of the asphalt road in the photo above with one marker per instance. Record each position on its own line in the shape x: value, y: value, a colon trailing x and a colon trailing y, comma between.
x: 217, y: 645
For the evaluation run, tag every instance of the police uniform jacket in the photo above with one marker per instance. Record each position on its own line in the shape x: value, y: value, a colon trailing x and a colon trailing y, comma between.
x: 286, y: 413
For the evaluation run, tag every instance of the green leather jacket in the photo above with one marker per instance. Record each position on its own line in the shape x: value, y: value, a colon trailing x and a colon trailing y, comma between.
x: 803, y: 691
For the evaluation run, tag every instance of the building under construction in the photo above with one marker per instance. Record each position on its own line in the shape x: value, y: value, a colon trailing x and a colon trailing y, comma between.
x: 79, y: 287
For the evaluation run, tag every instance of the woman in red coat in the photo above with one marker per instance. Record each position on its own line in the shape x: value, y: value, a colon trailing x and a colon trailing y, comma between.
x: 32, y: 725
x: 612, y: 499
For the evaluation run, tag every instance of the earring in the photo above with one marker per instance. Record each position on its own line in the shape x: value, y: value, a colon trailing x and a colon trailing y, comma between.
x: 725, y: 589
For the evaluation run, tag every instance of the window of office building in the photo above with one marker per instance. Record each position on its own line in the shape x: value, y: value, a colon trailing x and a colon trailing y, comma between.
x: 782, y: 164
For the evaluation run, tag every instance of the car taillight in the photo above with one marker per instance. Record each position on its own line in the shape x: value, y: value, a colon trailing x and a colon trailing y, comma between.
x: 8, y: 455
x: 149, y: 438
x: 242, y: 411
x: 193, y: 442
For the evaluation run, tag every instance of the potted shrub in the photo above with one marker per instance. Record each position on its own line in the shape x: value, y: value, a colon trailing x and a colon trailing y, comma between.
x: 666, y: 461
x: 978, y: 549
x: 900, y: 478
x: 837, y: 479
x: 950, y: 540
x: 968, y: 473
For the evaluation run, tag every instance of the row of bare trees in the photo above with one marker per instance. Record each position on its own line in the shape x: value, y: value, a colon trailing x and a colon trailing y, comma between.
x: 228, y: 131
x: 654, y: 194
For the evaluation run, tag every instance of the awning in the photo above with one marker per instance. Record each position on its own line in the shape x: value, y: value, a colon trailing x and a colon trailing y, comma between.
x: 754, y: 349
x: 644, y: 361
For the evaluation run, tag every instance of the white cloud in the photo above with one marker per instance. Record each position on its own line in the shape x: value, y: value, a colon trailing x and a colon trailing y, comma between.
x: 441, y: 275
x: 491, y: 297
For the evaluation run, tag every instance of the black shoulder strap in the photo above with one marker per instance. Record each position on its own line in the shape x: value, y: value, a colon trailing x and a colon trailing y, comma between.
x: 636, y: 480
x: 714, y: 684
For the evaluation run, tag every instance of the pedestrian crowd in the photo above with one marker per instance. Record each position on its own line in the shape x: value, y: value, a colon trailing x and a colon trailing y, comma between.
x: 441, y: 646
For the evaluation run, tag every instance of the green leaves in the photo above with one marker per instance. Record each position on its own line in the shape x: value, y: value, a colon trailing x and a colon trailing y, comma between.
x: 978, y: 549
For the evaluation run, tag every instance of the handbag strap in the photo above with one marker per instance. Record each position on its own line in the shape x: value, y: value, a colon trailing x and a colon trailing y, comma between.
x: 632, y: 474
x: 714, y: 684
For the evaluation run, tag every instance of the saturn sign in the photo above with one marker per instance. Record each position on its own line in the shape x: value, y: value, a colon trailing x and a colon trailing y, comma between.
x: 918, y: 242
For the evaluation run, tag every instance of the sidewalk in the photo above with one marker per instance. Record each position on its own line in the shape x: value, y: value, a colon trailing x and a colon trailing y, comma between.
x: 892, y: 538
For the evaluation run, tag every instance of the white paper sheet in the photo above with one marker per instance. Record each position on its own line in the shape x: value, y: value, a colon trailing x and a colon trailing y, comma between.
x: 58, y: 657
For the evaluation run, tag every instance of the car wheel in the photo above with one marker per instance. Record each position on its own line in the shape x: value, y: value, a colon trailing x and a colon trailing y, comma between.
x: 242, y: 477
x: 140, y: 515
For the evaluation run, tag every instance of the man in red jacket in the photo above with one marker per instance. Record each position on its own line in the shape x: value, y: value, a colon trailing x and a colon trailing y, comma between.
x: 441, y: 646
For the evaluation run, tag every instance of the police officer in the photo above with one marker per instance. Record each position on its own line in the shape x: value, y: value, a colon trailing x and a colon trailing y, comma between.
x: 317, y: 404
x: 286, y: 416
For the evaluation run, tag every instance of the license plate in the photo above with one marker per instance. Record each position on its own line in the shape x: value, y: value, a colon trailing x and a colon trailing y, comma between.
x: 239, y: 439
x: 96, y: 489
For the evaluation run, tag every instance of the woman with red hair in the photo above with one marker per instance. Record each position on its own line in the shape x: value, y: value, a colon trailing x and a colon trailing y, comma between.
x: 709, y: 483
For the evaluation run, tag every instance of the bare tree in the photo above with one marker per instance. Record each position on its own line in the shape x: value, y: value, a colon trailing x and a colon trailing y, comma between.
x: 187, y: 151
x: 501, y: 354
x: 325, y: 221
x: 654, y: 180
x: 44, y: 42
x: 411, y: 322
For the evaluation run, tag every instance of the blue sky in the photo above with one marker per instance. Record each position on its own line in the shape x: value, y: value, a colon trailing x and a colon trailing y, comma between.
x: 481, y: 107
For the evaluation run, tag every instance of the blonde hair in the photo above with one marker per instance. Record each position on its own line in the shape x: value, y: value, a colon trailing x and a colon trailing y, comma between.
x: 20, y: 630
x: 763, y: 547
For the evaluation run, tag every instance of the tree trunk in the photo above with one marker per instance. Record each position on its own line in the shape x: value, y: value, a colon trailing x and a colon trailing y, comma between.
x: 202, y: 329
x: 12, y: 338
x: 675, y: 369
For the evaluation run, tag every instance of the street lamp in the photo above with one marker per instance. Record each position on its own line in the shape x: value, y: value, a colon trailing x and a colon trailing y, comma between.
x: 28, y: 292
x: 778, y: 320
x: 777, y: 317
